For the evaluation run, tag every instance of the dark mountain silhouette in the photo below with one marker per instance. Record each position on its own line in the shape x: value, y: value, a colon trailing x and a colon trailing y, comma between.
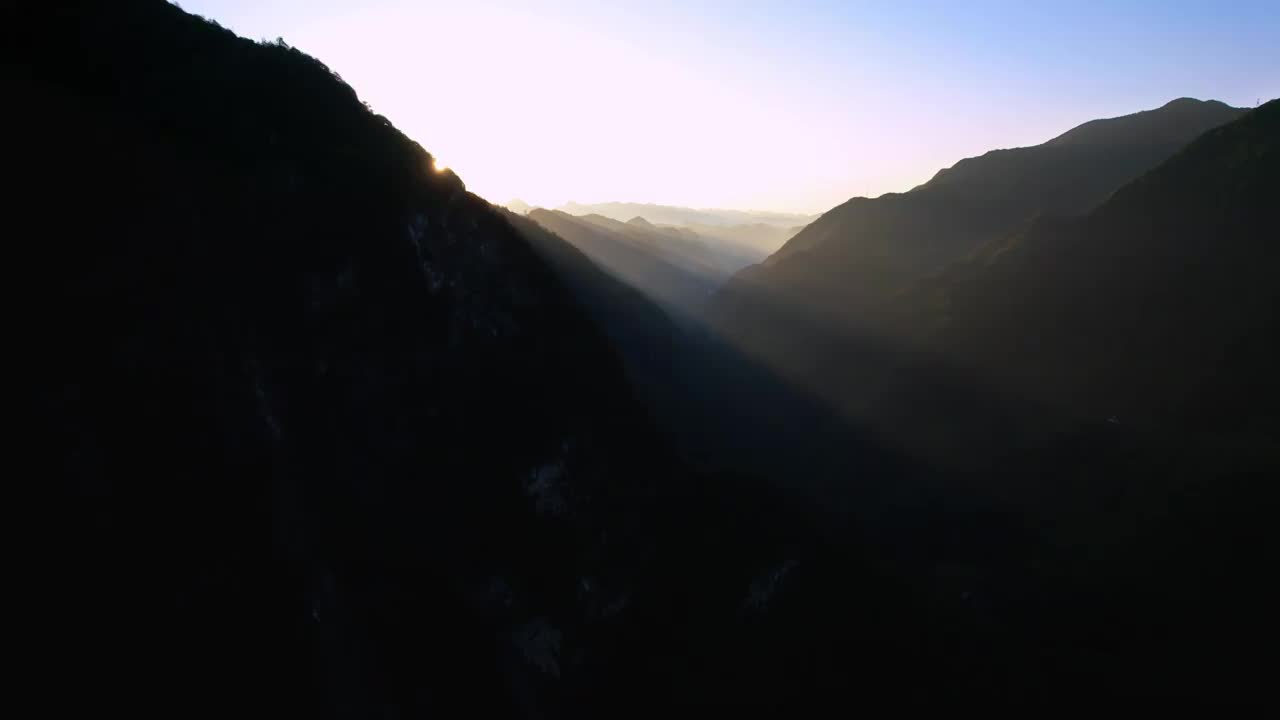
x: 699, y: 253
x: 840, y: 269
x: 643, y: 333
x: 1105, y: 381
x: 1145, y: 332
x: 327, y: 436
x: 1108, y: 381
x: 691, y: 382
x: 822, y: 312
x: 1135, y: 309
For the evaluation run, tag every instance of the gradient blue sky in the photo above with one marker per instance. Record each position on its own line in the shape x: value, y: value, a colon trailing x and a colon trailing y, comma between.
x: 769, y: 105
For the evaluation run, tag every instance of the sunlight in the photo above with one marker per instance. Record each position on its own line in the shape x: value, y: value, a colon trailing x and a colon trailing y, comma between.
x: 819, y: 353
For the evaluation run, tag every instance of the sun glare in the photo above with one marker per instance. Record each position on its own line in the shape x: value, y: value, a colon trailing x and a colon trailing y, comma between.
x: 438, y: 166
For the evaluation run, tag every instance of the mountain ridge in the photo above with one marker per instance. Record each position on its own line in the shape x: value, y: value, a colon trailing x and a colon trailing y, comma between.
x: 674, y: 215
x: 323, y: 433
x: 844, y: 266
x: 1215, y: 183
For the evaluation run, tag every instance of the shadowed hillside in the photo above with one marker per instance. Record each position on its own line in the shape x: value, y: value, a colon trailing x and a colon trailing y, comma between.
x: 693, y: 384
x: 317, y: 432
x: 840, y: 270
x: 706, y: 254
x: 328, y: 437
x: 756, y: 238
x: 821, y: 311
x: 1109, y: 381
x: 668, y: 215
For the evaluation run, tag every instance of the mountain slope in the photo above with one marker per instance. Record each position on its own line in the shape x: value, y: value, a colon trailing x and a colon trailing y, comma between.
x: 706, y: 254
x: 1158, y: 306
x: 518, y: 206
x: 326, y: 436
x: 644, y: 334
x: 758, y: 239
x: 841, y: 268
x: 669, y: 269
x: 692, y: 383
x: 1142, y: 338
x: 274, y: 366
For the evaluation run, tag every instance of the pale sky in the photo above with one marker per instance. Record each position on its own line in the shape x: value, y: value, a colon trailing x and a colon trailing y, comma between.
x: 788, y: 106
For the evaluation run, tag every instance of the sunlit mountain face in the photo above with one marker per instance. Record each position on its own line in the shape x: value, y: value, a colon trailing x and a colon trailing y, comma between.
x: 822, y: 356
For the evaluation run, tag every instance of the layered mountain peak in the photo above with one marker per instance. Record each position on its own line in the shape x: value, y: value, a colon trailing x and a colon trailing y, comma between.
x: 1191, y: 102
x: 1178, y: 286
x: 331, y: 435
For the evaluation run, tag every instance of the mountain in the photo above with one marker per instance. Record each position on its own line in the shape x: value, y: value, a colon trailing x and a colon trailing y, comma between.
x: 643, y: 333
x: 1111, y: 379
x: 1135, y: 309
x: 671, y: 215
x: 1140, y: 339
x: 677, y: 271
x: 325, y: 427
x: 304, y: 426
x: 845, y: 265
x: 822, y: 310
x: 315, y: 430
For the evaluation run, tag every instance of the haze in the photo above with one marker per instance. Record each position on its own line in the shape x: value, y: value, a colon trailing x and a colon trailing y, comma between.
x: 790, y: 106
x: 693, y: 424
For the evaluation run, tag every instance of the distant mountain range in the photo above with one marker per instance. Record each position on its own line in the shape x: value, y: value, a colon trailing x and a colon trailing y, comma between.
x: 318, y: 430
x: 833, y: 285
x: 671, y: 215
x: 829, y: 309
x: 1077, y: 337
x: 1133, y: 310
x: 679, y: 267
x: 754, y: 238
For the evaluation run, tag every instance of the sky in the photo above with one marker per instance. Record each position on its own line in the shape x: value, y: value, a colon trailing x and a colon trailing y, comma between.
x: 790, y: 106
